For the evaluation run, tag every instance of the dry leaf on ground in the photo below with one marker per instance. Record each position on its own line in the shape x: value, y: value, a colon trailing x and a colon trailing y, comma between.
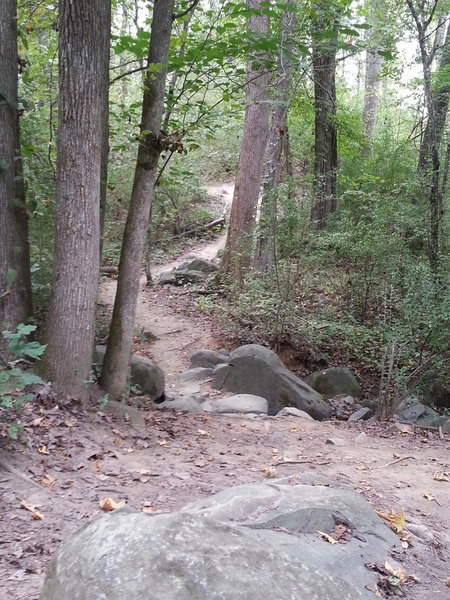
x: 396, y: 521
x: 441, y: 476
x: 327, y: 537
x: 109, y: 504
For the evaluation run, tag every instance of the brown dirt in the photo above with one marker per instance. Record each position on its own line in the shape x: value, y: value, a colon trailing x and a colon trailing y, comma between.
x: 75, y: 457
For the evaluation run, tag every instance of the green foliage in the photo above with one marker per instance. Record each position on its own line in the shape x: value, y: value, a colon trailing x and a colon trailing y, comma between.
x: 14, y: 381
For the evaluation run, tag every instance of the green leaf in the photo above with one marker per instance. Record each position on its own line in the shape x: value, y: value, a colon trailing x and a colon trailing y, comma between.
x: 31, y: 378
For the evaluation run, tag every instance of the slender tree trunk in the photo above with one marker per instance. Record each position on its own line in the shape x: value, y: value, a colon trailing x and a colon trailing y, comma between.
x: 277, y: 144
x: 440, y: 100
x: 70, y: 329
x: 325, y: 136
x: 371, y: 87
x: 239, y: 244
x: 429, y: 160
x: 104, y: 42
x: 115, y: 366
x: 15, y: 283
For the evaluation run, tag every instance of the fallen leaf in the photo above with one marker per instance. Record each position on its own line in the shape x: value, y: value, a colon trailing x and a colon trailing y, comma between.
x: 397, y: 522
x: 163, y: 443
x: 362, y: 468
x: 108, y: 504
x: 447, y: 581
x: 399, y: 573
x: 203, y: 433
x: 32, y: 509
x: 269, y: 471
x: 429, y: 497
x: 43, y: 450
x: 441, y: 476
x: 151, y: 510
x: 327, y: 537
x: 200, y: 463
x: 47, y: 480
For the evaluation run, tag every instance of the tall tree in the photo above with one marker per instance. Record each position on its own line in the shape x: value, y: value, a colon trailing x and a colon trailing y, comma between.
x: 83, y: 28
x: 325, y: 19
x: 239, y: 244
x: 277, y: 144
x: 371, y: 86
x: 15, y: 282
x: 151, y: 143
x: 429, y: 160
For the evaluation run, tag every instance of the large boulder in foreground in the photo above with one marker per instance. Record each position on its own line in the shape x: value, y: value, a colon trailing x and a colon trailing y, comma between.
x: 143, y: 373
x: 334, y: 382
x: 251, y: 542
x: 254, y: 369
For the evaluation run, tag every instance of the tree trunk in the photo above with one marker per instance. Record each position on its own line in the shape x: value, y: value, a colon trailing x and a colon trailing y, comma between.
x: 70, y: 329
x: 239, y: 244
x: 440, y: 99
x: 15, y: 282
x: 325, y: 135
x: 115, y: 366
x: 371, y: 86
x: 429, y: 159
x: 277, y: 143
x: 104, y: 42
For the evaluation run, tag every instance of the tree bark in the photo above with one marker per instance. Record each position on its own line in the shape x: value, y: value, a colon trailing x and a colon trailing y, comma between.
x: 15, y: 281
x: 239, y: 244
x: 325, y: 134
x: 70, y: 328
x: 429, y: 159
x: 152, y: 142
x: 104, y: 42
x: 277, y: 143
x: 371, y: 86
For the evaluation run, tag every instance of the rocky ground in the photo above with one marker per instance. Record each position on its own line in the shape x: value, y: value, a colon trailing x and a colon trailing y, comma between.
x: 76, y: 458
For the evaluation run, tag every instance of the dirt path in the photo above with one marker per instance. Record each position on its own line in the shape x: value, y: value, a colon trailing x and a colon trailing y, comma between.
x: 175, y: 337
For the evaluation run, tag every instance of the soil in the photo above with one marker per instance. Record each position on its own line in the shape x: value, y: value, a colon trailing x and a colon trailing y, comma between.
x: 75, y: 457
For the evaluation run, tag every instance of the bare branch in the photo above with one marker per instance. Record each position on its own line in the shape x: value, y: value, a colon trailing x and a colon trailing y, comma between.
x: 185, y: 12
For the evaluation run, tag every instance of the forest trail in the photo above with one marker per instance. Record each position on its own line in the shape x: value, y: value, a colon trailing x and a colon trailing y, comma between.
x: 174, y: 336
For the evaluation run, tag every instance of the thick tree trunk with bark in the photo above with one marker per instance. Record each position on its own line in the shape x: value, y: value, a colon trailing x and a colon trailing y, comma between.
x: 277, y: 144
x: 70, y: 328
x: 15, y: 282
x: 152, y: 142
x: 325, y: 135
x: 239, y: 245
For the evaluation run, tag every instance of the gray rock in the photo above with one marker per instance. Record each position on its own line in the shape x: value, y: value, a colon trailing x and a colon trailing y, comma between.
x: 336, y: 441
x: 420, y: 531
x: 208, y: 358
x: 147, y: 375
x: 197, y: 374
x: 167, y: 278
x: 361, y: 438
x: 189, y: 404
x: 411, y: 410
x: 143, y: 373
x: 240, y: 403
x: 334, y: 381
x: 181, y: 556
x: 289, y: 516
x: 446, y: 426
x: 253, y: 369
x: 362, y: 414
x: 198, y: 264
x: 294, y: 412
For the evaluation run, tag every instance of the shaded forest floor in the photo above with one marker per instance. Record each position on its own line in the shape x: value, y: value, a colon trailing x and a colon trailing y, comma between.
x: 74, y: 458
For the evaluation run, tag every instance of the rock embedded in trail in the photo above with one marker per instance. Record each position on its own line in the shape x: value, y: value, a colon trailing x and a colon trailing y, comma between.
x: 240, y: 403
x: 195, y: 374
x: 334, y: 382
x: 209, y: 358
x: 196, y: 270
x: 254, y: 369
x: 143, y: 373
x: 249, y: 542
